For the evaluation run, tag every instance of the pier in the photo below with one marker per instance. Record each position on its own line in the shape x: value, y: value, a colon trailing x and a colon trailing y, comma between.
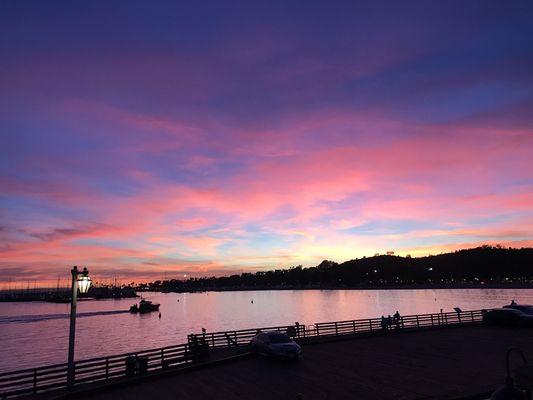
x: 423, y: 356
x: 427, y: 364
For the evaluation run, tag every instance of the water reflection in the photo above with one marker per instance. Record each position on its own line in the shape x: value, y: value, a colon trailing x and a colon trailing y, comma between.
x: 44, y: 341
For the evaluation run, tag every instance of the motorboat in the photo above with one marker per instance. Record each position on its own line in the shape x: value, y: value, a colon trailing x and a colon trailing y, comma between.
x: 144, y: 306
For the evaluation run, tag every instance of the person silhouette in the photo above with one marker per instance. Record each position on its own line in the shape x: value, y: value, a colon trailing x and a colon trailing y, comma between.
x: 397, y: 319
x: 383, y: 323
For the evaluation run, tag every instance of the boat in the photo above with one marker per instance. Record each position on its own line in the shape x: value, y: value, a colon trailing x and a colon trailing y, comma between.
x: 55, y: 298
x: 145, y: 306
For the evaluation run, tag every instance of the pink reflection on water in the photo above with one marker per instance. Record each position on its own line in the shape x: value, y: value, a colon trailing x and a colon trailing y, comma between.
x: 30, y: 344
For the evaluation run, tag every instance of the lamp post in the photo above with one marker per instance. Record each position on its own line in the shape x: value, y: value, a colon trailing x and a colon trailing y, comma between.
x: 509, y: 391
x: 81, y: 281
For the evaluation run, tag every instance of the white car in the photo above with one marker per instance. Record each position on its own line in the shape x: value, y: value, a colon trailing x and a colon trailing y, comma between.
x: 275, y: 344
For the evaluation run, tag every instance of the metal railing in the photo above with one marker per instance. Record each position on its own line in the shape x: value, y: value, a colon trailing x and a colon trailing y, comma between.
x: 102, y: 369
x: 225, y: 339
x: 408, y: 322
x: 241, y: 337
x: 50, y: 377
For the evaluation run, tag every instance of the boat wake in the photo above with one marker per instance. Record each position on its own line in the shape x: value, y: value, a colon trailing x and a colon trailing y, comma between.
x: 8, y: 319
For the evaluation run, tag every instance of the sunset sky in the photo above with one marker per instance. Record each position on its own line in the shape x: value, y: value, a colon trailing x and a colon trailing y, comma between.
x: 151, y: 139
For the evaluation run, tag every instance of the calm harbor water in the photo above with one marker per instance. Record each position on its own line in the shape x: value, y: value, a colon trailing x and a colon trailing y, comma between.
x: 36, y: 333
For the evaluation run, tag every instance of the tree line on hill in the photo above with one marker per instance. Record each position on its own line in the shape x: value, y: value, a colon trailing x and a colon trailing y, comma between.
x: 485, y: 265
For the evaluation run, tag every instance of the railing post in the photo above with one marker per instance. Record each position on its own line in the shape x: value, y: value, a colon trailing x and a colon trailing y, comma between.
x: 162, y: 357
x: 317, y: 330
x: 35, y: 381
x: 472, y: 315
x: 73, y: 374
x: 431, y: 319
x: 417, y: 322
x: 107, y: 368
x: 369, y: 324
x: 336, y: 329
x: 213, y: 339
x: 446, y: 319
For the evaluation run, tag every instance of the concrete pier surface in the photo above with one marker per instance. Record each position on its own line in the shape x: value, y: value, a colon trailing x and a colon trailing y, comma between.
x: 433, y: 364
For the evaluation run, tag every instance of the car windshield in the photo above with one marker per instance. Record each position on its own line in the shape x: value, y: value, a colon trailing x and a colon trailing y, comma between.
x: 277, y: 338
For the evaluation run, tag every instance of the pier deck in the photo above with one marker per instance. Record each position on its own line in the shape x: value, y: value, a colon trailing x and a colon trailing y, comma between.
x: 436, y: 364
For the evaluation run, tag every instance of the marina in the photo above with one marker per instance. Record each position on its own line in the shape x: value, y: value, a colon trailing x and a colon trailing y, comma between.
x: 266, y: 200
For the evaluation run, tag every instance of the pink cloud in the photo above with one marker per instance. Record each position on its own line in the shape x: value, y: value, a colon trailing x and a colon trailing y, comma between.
x: 310, y: 194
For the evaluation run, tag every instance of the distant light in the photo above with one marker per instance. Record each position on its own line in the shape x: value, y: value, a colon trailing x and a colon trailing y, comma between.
x: 375, y: 270
x: 185, y: 275
x: 430, y: 269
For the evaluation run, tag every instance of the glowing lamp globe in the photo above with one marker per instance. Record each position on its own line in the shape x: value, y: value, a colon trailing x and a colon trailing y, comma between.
x: 84, y: 282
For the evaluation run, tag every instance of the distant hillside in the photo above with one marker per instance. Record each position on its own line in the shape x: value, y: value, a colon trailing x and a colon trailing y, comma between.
x: 481, y: 266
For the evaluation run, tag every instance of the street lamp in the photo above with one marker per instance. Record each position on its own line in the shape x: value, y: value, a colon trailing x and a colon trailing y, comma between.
x: 81, y: 282
x: 84, y: 282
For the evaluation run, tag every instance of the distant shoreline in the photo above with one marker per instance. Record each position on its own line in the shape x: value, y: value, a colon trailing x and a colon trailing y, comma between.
x: 481, y: 267
x: 392, y: 287
x: 285, y: 288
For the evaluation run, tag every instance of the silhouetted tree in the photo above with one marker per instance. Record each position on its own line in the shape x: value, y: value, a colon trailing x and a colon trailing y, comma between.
x: 483, y: 265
